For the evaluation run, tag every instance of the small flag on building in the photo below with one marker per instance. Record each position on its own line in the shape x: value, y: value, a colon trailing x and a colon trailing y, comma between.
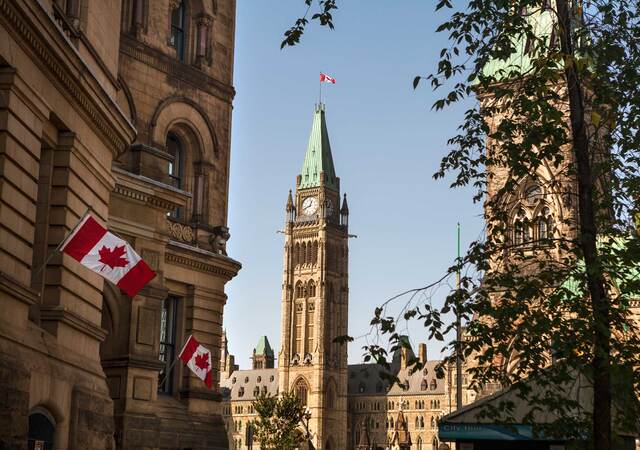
x: 324, y: 78
x: 198, y: 359
x: 107, y: 255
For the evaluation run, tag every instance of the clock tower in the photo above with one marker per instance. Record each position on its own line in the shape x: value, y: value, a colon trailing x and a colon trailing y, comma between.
x: 315, y: 293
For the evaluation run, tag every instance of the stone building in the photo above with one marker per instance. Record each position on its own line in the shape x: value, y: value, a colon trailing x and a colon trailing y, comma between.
x: 351, y: 406
x: 121, y: 108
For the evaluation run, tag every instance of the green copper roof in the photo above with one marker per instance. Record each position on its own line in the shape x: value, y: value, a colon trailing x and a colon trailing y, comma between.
x: 263, y: 347
x: 519, y: 62
x: 318, y: 157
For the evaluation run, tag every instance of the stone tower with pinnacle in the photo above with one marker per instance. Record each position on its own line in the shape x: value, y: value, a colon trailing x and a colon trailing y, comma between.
x: 315, y: 293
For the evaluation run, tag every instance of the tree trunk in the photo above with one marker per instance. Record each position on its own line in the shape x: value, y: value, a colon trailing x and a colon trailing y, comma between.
x: 600, y: 302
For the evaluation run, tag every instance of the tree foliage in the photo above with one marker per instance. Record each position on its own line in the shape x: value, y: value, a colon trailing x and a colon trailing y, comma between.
x: 279, y: 419
x: 555, y: 122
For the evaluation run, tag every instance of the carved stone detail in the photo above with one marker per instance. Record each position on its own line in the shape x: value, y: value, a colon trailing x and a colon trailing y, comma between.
x: 181, y: 232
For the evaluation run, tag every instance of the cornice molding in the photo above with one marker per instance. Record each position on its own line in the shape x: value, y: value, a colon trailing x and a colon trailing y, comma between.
x: 148, y: 191
x: 61, y: 314
x: 171, y: 66
x: 134, y: 361
x: 70, y: 82
x: 15, y: 289
x: 202, y: 266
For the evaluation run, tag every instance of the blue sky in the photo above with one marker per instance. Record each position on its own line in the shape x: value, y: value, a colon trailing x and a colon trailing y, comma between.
x: 386, y: 145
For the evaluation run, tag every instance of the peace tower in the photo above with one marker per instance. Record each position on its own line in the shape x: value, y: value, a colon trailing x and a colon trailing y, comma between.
x: 315, y: 292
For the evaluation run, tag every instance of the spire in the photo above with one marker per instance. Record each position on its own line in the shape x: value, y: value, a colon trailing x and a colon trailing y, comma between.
x: 290, y: 206
x: 345, y: 207
x: 318, y: 158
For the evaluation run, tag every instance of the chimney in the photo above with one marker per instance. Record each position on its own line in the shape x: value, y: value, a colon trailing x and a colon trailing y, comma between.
x: 404, y: 356
x: 422, y: 353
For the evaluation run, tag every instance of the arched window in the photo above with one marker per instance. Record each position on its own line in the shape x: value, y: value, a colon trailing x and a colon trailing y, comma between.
x: 423, y: 385
x: 314, y: 258
x: 543, y: 228
x: 434, y: 443
x: 421, y: 422
x: 42, y: 427
x: 301, y: 389
x: 330, y: 397
x: 296, y: 254
x: 433, y: 385
x: 390, y: 422
x: 433, y: 422
x: 299, y: 290
x: 518, y: 232
x: 175, y: 148
x: 417, y: 422
x: 311, y: 289
x: 177, y: 39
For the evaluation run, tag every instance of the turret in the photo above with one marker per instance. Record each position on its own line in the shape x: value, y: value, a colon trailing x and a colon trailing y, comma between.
x: 344, y: 212
x: 291, y: 209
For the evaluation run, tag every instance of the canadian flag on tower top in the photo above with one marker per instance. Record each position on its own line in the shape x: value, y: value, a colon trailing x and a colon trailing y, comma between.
x: 109, y: 256
x: 324, y: 78
x: 198, y: 359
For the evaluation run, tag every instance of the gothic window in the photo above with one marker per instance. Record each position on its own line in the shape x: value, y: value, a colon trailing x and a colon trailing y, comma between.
x: 434, y: 444
x: 168, y: 315
x: 544, y: 230
x: 519, y: 229
x: 310, y: 311
x: 299, y: 290
x: 391, y: 422
x: 256, y: 391
x: 417, y: 422
x: 264, y: 390
x: 297, y: 327
x: 241, y: 391
x: 423, y: 385
x: 177, y: 39
x: 361, y: 388
x: 314, y: 259
x: 433, y: 385
x: 330, y: 397
x: 421, y: 422
x: 311, y: 288
x: 305, y: 254
x: 301, y: 389
x: 433, y: 422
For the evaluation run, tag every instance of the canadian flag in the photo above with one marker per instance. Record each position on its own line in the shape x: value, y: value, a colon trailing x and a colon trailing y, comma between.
x: 324, y: 78
x: 198, y: 359
x: 109, y: 256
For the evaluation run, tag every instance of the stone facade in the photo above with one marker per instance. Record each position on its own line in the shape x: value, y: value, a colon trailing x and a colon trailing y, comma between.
x: 121, y: 108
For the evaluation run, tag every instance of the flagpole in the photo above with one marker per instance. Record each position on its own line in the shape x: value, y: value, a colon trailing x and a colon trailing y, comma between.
x: 458, y: 332
x: 320, y: 97
x: 166, y: 374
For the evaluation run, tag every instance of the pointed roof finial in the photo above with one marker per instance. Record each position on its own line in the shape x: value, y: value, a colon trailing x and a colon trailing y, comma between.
x: 290, y: 206
x: 318, y: 158
x: 345, y: 208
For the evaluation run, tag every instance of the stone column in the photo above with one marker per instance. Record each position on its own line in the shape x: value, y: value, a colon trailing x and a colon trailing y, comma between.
x: 203, y: 23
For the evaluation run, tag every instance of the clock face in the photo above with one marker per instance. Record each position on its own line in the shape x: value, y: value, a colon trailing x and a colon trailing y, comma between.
x: 309, y: 205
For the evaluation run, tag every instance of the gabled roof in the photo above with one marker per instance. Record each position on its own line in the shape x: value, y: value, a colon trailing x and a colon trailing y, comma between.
x: 318, y: 158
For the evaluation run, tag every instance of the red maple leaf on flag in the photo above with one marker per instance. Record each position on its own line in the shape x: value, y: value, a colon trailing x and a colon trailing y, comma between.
x: 202, y: 361
x: 113, y: 257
